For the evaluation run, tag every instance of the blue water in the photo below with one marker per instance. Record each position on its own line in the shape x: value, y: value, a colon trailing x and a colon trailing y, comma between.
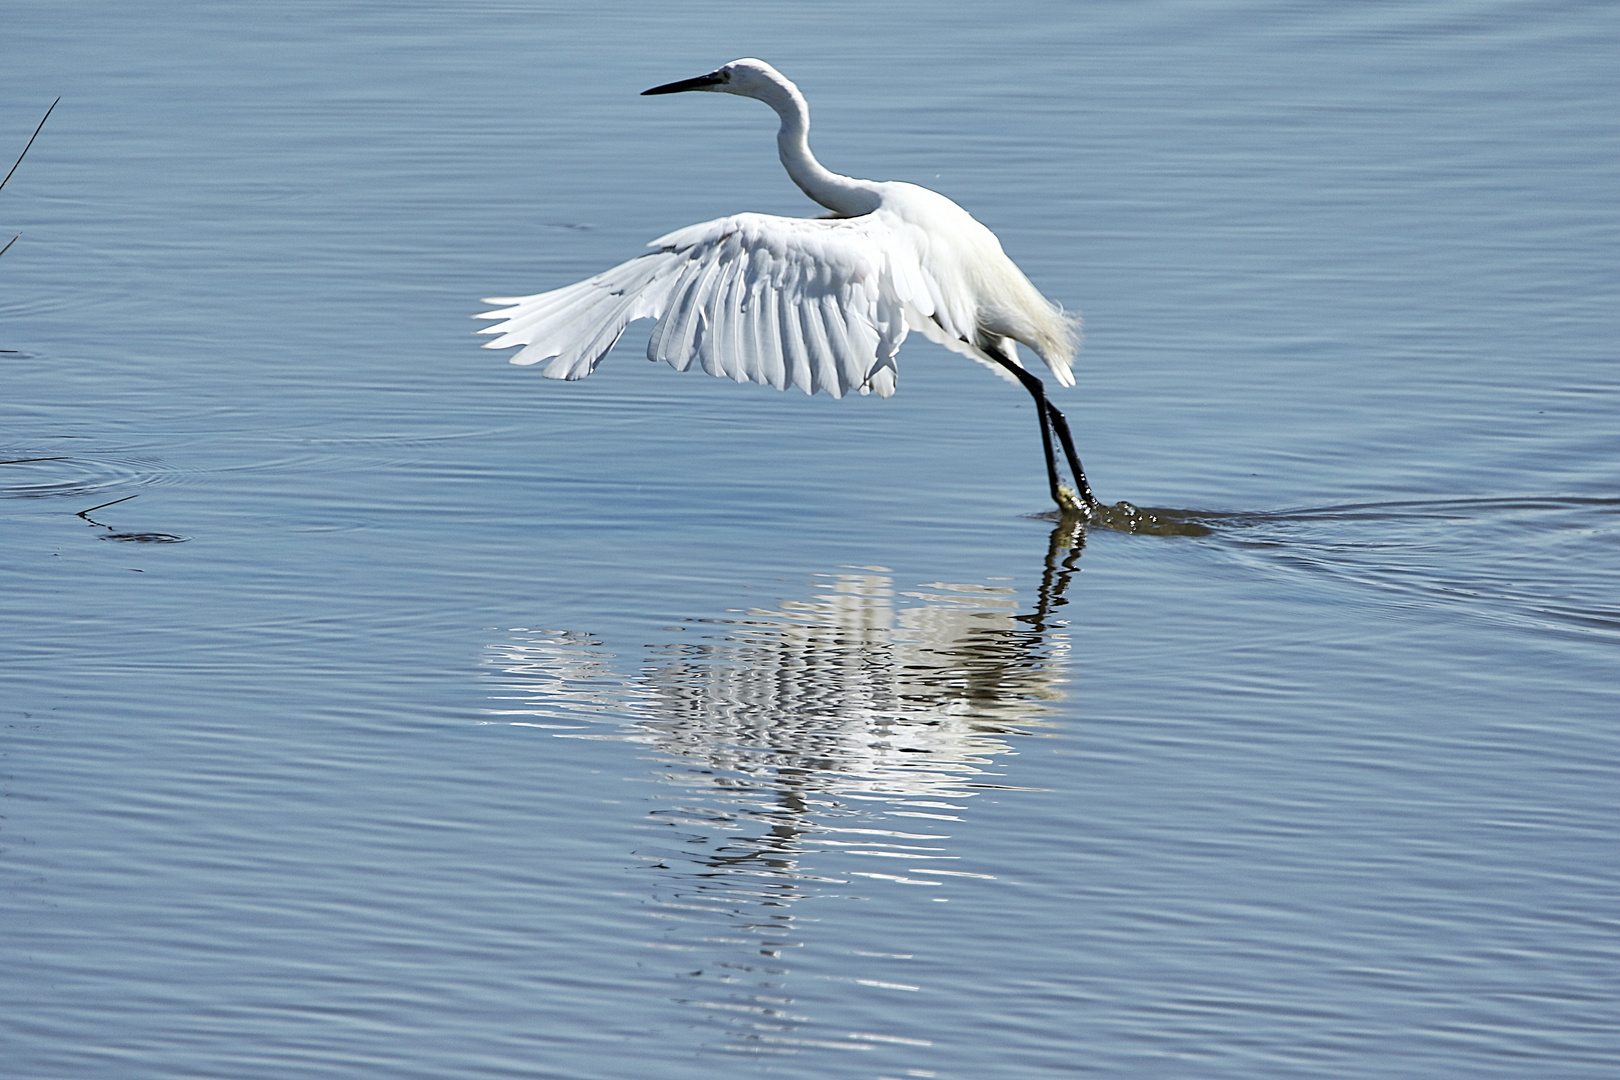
x: 415, y: 716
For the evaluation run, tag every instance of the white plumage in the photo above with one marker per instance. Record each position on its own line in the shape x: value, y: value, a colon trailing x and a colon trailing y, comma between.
x: 816, y: 303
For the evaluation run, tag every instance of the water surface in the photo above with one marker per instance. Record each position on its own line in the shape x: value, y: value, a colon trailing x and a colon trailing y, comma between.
x: 374, y: 708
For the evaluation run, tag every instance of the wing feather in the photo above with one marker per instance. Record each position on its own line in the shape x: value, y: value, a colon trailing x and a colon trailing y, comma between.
x: 797, y: 356
x: 766, y: 336
x: 578, y: 324
x: 816, y: 303
x: 850, y: 373
x: 683, y: 324
x: 730, y: 358
x: 823, y: 372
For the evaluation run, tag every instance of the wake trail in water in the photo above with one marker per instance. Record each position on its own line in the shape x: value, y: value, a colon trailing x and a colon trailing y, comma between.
x: 1541, y: 561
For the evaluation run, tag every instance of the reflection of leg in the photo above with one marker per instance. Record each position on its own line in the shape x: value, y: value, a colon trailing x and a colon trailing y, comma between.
x: 1062, y: 553
x: 1044, y: 411
x: 1062, y: 426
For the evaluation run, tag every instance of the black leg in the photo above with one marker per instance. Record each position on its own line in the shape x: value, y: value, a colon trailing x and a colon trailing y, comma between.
x: 1062, y: 427
x: 1050, y: 417
x: 1046, y: 445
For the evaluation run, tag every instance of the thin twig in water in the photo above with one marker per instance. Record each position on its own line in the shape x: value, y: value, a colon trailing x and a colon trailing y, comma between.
x: 31, y: 139
x: 104, y: 505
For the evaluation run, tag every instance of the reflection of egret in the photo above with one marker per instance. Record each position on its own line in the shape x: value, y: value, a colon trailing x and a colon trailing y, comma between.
x: 820, y: 745
x: 862, y: 689
x: 820, y: 303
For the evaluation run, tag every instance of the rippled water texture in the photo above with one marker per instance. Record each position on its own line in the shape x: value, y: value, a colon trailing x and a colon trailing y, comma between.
x: 370, y: 707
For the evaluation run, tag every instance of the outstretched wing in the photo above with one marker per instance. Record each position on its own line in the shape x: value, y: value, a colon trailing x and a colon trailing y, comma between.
x: 817, y: 303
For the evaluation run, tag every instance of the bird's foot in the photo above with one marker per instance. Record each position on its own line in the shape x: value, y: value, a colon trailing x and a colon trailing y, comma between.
x: 1069, y: 502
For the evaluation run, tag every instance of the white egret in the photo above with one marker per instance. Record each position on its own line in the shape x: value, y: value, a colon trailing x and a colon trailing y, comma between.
x: 819, y: 303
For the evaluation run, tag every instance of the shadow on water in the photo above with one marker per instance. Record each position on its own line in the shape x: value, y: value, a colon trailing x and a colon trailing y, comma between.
x: 136, y: 537
x: 823, y: 747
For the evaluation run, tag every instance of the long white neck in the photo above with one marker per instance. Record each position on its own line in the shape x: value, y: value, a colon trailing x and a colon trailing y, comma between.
x: 843, y: 195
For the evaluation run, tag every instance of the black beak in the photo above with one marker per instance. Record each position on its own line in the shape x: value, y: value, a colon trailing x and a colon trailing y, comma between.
x: 702, y: 82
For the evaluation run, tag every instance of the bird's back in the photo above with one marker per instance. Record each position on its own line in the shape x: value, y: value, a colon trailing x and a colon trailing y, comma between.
x: 978, y: 294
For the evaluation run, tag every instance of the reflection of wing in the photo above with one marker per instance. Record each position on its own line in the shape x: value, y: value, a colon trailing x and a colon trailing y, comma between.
x: 816, y: 303
x: 864, y: 690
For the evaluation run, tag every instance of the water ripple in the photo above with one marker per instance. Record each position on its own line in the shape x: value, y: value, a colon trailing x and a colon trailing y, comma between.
x: 36, y: 474
x: 1544, y: 562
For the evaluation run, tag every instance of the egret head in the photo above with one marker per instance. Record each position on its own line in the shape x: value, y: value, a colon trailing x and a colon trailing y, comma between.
x: 748, y: 77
